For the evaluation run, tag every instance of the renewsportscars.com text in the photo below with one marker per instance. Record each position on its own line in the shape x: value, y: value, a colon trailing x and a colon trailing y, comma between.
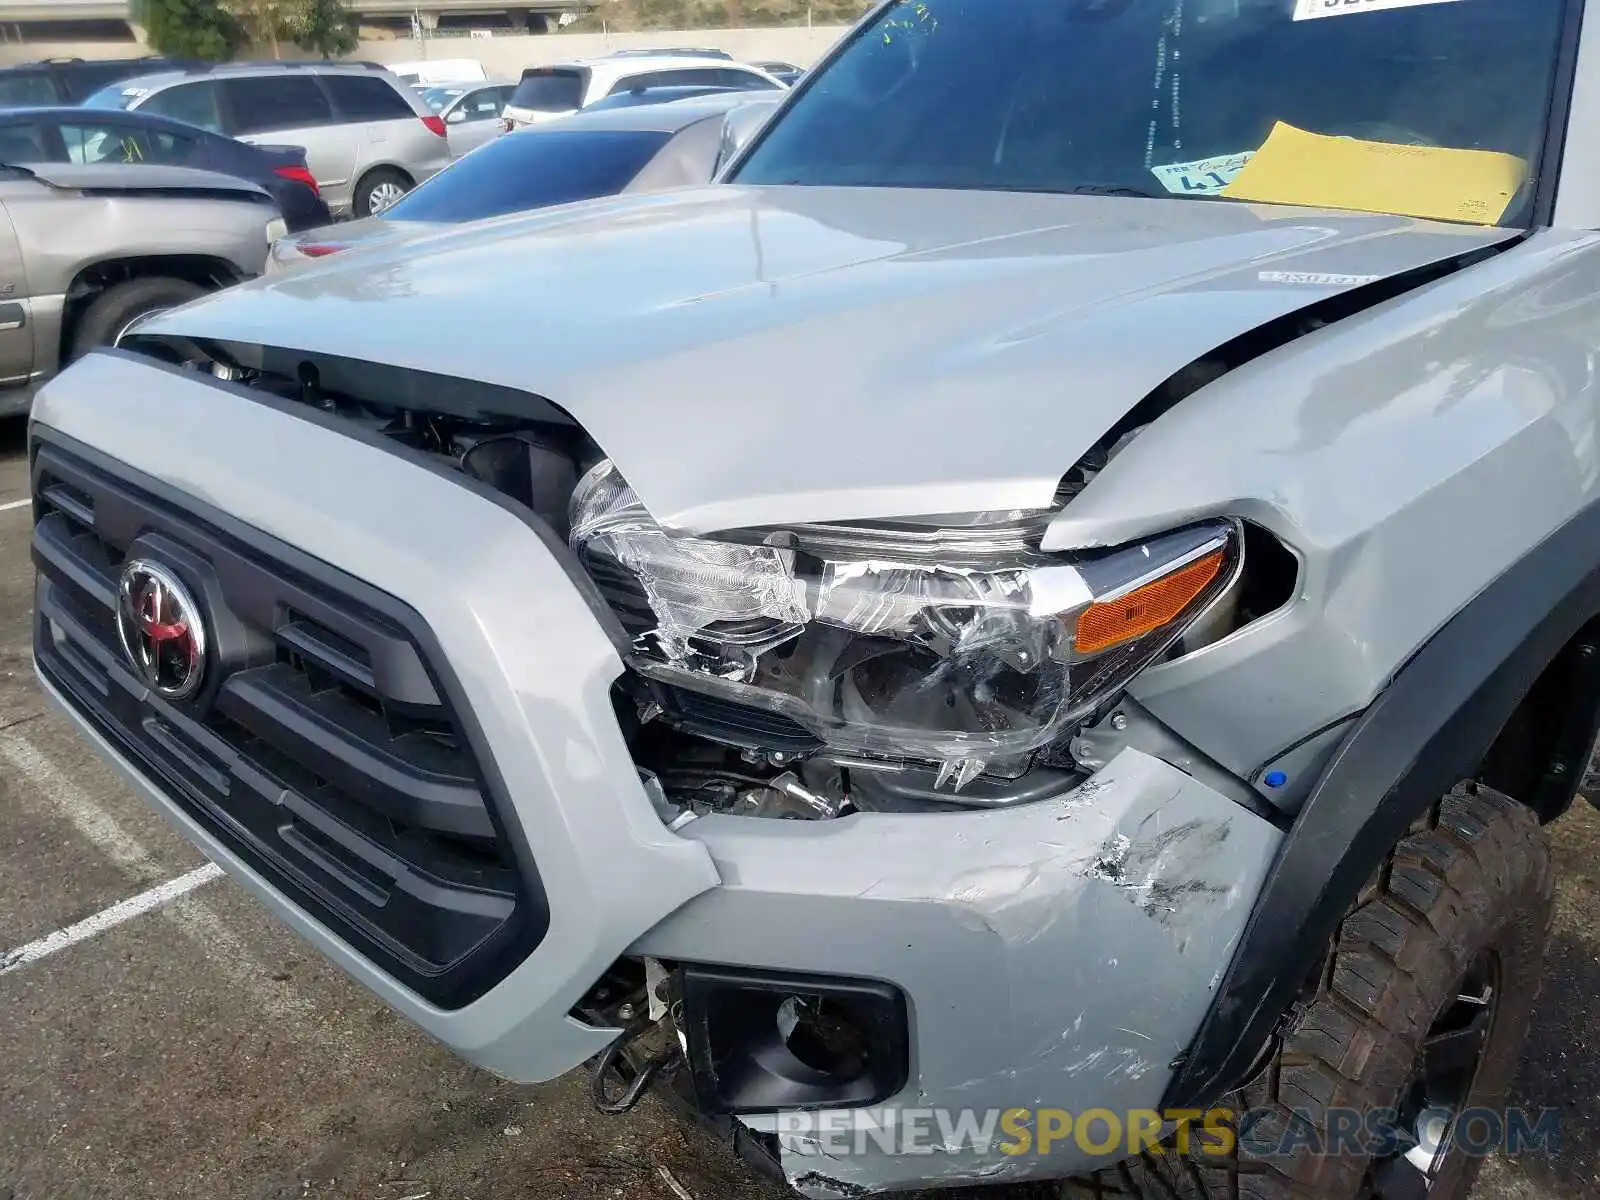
x: 1263, y: 1133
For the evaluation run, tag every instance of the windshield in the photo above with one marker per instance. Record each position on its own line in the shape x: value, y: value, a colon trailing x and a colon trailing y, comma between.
x: 1421, y: 107
x: 530, y: 170
x: 440, y: 98
x: 117, y: 95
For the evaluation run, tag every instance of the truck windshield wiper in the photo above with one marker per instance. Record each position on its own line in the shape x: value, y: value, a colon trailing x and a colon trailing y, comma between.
x: 1122, y: 189
x: 1115, y: 189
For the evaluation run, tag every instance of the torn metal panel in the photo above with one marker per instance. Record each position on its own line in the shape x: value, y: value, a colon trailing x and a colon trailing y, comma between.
x: 1088, y: 926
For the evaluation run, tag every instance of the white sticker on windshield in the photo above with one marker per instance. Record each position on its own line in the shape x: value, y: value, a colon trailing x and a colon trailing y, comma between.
x: 1310, y: 10
x: 1204, y: 176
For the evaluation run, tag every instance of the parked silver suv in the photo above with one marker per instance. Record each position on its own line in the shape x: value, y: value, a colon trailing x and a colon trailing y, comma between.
x: 368, y: 138
x: 88, y: 250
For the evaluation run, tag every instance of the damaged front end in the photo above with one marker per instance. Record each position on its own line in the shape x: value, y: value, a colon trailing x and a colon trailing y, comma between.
x: 958, y: 865
x: 813, y: 670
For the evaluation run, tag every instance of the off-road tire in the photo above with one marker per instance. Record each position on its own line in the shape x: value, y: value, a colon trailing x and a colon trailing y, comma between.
x: 361, y: 200
x: 111, y: 311
x: 1473, y: 874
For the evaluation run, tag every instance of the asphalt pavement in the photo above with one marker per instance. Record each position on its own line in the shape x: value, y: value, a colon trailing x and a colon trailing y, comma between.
x: 196, y: 1049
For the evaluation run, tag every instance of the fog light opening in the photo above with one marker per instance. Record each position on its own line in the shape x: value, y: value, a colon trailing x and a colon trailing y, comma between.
x: 768, y: 1041
x: 823, y: 1036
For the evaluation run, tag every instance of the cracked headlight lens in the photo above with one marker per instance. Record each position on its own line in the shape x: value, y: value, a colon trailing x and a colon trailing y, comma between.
x: 956, y: 641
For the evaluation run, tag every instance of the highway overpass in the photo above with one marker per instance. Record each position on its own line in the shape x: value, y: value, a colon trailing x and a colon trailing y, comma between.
x: 57, y: 21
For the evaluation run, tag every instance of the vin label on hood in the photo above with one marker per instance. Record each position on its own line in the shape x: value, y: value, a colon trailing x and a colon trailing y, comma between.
x: 1311, y: 10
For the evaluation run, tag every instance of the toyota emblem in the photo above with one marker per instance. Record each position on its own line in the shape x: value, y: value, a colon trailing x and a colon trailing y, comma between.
x: 159, y: 624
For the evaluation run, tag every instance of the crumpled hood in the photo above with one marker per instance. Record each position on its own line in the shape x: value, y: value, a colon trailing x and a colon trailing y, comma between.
x: 771, y: 355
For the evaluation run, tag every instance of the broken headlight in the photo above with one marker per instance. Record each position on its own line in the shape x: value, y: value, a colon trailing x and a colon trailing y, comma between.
x: 958, y: 642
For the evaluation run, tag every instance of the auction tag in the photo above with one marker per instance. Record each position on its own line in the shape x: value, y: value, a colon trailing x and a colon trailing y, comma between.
x: 1204, y: 176
x: 1310, y: 10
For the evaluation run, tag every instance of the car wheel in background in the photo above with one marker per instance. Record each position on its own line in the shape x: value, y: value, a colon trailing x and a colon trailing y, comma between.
x: 378, y: 189
x: 116, y: 308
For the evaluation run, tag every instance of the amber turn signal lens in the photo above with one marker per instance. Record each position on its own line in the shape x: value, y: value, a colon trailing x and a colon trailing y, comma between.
x: 1145, y: 609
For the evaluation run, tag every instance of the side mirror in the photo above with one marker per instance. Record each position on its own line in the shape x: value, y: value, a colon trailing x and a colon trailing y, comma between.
x: 738, y: 127
x: 457, y: 115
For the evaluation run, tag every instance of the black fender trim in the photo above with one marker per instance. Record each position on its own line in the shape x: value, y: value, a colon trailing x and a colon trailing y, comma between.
x: 1427, y: 730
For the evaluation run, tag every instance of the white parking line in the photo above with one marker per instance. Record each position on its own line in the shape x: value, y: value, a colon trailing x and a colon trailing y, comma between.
x: 10, y: 504
x: 124, y: 910
x: 66, y: 798
x: 224, y: 948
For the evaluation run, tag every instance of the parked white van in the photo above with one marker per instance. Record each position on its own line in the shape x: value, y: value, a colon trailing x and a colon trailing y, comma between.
x: 439, y: 70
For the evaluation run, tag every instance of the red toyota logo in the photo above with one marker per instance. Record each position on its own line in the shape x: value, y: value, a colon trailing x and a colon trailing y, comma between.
x: 159, y: 624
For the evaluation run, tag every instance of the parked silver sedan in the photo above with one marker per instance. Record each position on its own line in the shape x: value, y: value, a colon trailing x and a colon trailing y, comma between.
x: 572, y: 158
x: 470, y: 111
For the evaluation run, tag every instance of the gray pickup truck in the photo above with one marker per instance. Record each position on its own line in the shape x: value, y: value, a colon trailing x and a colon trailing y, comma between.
x: 87, y: 250
x: 1038, y: 629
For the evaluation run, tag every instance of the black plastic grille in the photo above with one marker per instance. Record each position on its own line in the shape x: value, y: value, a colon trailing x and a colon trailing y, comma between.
x: 622, y: 591
x: 697, y: 712
x: 321, y: 746
x: 734, y: 723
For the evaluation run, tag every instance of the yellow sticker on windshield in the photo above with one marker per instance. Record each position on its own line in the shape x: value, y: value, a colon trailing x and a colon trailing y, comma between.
x: 1297, y: 167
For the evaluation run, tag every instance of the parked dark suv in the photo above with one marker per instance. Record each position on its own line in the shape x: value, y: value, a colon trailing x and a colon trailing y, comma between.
x: 30, y: 136
x: 54, y: 81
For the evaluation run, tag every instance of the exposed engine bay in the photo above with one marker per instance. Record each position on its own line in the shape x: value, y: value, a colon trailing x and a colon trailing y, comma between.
x: 814, y: 671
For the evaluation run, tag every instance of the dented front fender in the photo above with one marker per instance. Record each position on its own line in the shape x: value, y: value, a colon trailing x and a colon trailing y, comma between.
x: 1058, y: 955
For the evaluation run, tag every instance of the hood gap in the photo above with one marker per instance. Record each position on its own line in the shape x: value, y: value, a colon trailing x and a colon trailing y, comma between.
x: 1262, y: 340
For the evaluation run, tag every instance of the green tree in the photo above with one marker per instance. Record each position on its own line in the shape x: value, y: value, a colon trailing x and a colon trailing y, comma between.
x: 190, y: 28
x: 266, y: 21
x: 324, y: 27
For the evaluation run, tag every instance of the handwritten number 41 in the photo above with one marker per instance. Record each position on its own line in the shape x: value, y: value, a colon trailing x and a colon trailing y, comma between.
x: 1208, y: 182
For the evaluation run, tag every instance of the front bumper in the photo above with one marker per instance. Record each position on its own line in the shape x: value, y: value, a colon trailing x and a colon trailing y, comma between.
x: 533, y: 664
x: 1059, y: 954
